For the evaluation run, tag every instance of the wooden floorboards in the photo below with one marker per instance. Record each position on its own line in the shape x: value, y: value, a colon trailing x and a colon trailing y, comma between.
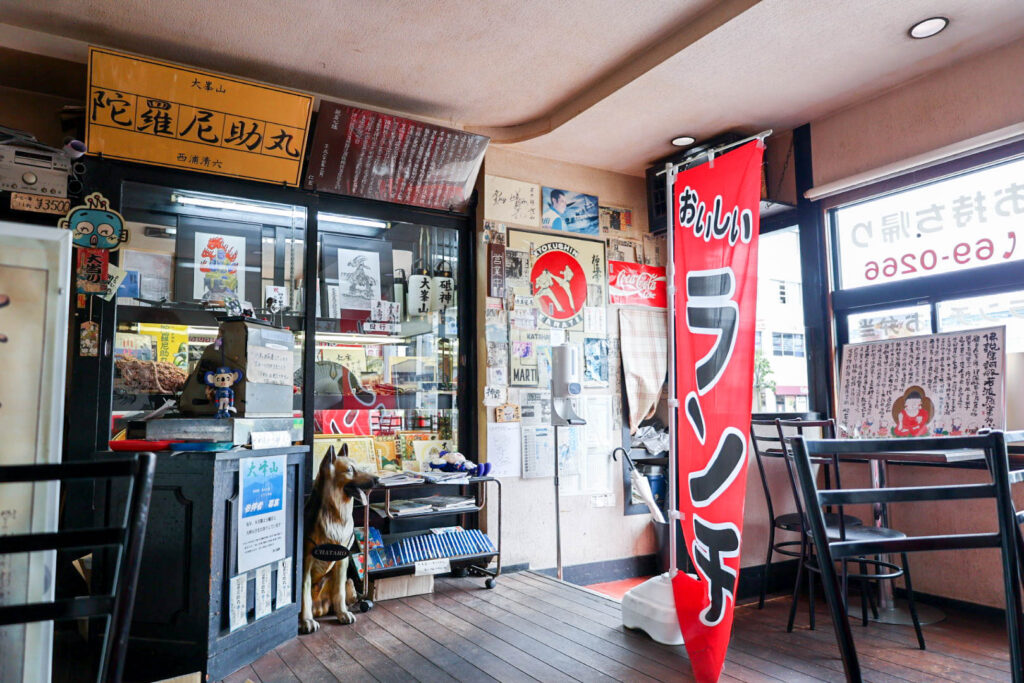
x: 533, y: 628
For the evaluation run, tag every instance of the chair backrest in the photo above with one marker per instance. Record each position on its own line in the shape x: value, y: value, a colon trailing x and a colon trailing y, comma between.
x: 787, y: 430
x: 125, y: 538
x: 993, y: 446
x: 764, y: 437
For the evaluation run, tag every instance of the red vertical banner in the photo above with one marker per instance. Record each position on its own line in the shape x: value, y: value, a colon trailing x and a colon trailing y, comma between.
x: 715, y: 226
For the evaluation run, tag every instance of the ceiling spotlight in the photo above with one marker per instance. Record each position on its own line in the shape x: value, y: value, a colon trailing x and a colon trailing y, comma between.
x: 683, y: 140
x: 928, y: 27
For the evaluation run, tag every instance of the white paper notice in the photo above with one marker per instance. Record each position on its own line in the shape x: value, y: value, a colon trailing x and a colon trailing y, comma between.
x: 595, y: 321
x: 495, y: 395
x: 538, y: 452
x: 270, y: 366
x: 261, y: 511
x: 504, y: 449
x: 441, y: 565
x: 284, y: 583
x: 262, y: 597
x: 236, y: 599
x: 270, y: 439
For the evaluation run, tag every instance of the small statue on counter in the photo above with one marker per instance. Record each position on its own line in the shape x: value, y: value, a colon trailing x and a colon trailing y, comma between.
x: 448, y: 461
x: 223, y: 395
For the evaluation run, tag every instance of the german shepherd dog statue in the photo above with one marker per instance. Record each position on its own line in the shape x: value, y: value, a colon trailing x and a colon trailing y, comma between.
x: 328, y: 519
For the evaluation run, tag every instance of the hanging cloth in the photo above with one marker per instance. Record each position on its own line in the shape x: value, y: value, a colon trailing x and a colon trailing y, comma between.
x: 643, y: 337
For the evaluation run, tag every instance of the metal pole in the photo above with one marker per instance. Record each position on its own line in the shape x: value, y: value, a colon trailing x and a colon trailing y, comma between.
x: 673, y: 402
x: 558, y: 513
x: 715, y: 151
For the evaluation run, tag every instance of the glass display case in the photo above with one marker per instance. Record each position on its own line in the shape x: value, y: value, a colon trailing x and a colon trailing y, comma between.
x: 192, y: 259
x: 386, y: 341
x: 387, y: 304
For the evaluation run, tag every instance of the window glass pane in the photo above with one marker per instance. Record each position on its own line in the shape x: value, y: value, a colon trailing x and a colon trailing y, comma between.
x: 780, y: 371
x: 968, y: 221
x: 891, y: 323
x: 1006, y: 308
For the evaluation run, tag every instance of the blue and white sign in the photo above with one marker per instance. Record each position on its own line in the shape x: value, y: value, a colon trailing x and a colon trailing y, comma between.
x: 261, y: 511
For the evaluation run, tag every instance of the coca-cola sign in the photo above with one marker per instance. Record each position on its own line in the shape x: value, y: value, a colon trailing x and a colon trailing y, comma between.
x: 637, y: 284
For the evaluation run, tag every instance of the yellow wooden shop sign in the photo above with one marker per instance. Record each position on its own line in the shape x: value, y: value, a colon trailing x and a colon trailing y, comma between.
x: 155, y: 112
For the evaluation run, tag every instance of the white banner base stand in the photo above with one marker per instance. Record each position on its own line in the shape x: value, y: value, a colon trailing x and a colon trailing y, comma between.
x: 651, y: 608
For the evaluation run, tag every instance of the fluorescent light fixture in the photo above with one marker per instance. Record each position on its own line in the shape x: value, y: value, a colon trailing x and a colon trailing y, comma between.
x: 235, y: 206
x: 928, y: 27
x: 683, y: 140
x: 350, y: 220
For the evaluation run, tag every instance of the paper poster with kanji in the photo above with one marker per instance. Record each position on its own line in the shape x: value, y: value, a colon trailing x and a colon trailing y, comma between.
x: 949, y: 384
x: 261, y: 511
x: 219, y: 274
x: 566, y: 274
x: 715, y: 227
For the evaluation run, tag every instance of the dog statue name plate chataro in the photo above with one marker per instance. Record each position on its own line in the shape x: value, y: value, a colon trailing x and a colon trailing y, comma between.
x: 330, y: 532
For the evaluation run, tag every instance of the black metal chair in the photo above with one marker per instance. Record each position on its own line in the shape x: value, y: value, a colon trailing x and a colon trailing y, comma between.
x: 838, y: 529
x: 767, y: 443
x: 125, y: 538
x: 832, y: 550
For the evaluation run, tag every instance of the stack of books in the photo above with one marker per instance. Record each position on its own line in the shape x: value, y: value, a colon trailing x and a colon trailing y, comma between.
x: 433, y: 546
x: 443, y: 542
x: 439, y: 477
x: 400, y: 508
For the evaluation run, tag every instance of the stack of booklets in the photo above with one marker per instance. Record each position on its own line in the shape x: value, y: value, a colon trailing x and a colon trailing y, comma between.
x: 432, y: 546
x: 439, y: 477
x: 399, y: 479
x: 439, y: 502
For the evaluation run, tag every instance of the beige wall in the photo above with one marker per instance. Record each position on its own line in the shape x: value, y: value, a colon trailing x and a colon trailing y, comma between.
x: 589, y: 534
x: 970, y: 98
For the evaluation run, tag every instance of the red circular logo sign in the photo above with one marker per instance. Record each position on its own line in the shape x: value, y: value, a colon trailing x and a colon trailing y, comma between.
x: 559, y: 285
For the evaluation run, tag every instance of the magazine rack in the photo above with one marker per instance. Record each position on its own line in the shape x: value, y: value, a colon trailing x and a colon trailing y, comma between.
x: 476, y: 564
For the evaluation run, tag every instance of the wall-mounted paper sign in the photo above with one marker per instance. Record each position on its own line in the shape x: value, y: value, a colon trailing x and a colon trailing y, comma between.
x: 948, y: 384
x: 154, y: 112
x: 511, y: 201
x: 495, y: 395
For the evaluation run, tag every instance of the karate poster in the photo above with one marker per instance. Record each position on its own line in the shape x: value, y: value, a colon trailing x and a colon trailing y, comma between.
x: 261, y: 511
x: 715, y: 224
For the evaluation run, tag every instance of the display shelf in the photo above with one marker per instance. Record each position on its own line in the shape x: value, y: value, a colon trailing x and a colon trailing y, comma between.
x: 478, y: 563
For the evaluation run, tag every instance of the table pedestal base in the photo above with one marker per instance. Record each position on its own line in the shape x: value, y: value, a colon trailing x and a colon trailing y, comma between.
x: 899, y: 615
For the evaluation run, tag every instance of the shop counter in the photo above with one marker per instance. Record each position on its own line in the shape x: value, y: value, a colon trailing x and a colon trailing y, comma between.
x: 182, y: 621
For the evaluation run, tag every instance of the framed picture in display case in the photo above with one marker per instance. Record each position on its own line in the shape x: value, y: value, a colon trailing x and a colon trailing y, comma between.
x: 218, y: 260
x: 356, y: 271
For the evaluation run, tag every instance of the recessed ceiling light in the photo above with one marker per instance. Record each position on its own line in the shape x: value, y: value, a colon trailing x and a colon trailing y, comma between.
x: 928, y: 27
x: 683, y: 140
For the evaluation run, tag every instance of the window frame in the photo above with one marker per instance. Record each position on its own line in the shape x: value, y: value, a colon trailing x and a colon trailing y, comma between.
x: 923, y: 291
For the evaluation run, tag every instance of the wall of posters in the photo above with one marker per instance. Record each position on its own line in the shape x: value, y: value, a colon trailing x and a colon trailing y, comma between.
x: 932, y: 385
x: 220, y: 267
x: 261, y: 511
x: 570, y: 211
x: 615, y: 220
x: 35, y: 266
